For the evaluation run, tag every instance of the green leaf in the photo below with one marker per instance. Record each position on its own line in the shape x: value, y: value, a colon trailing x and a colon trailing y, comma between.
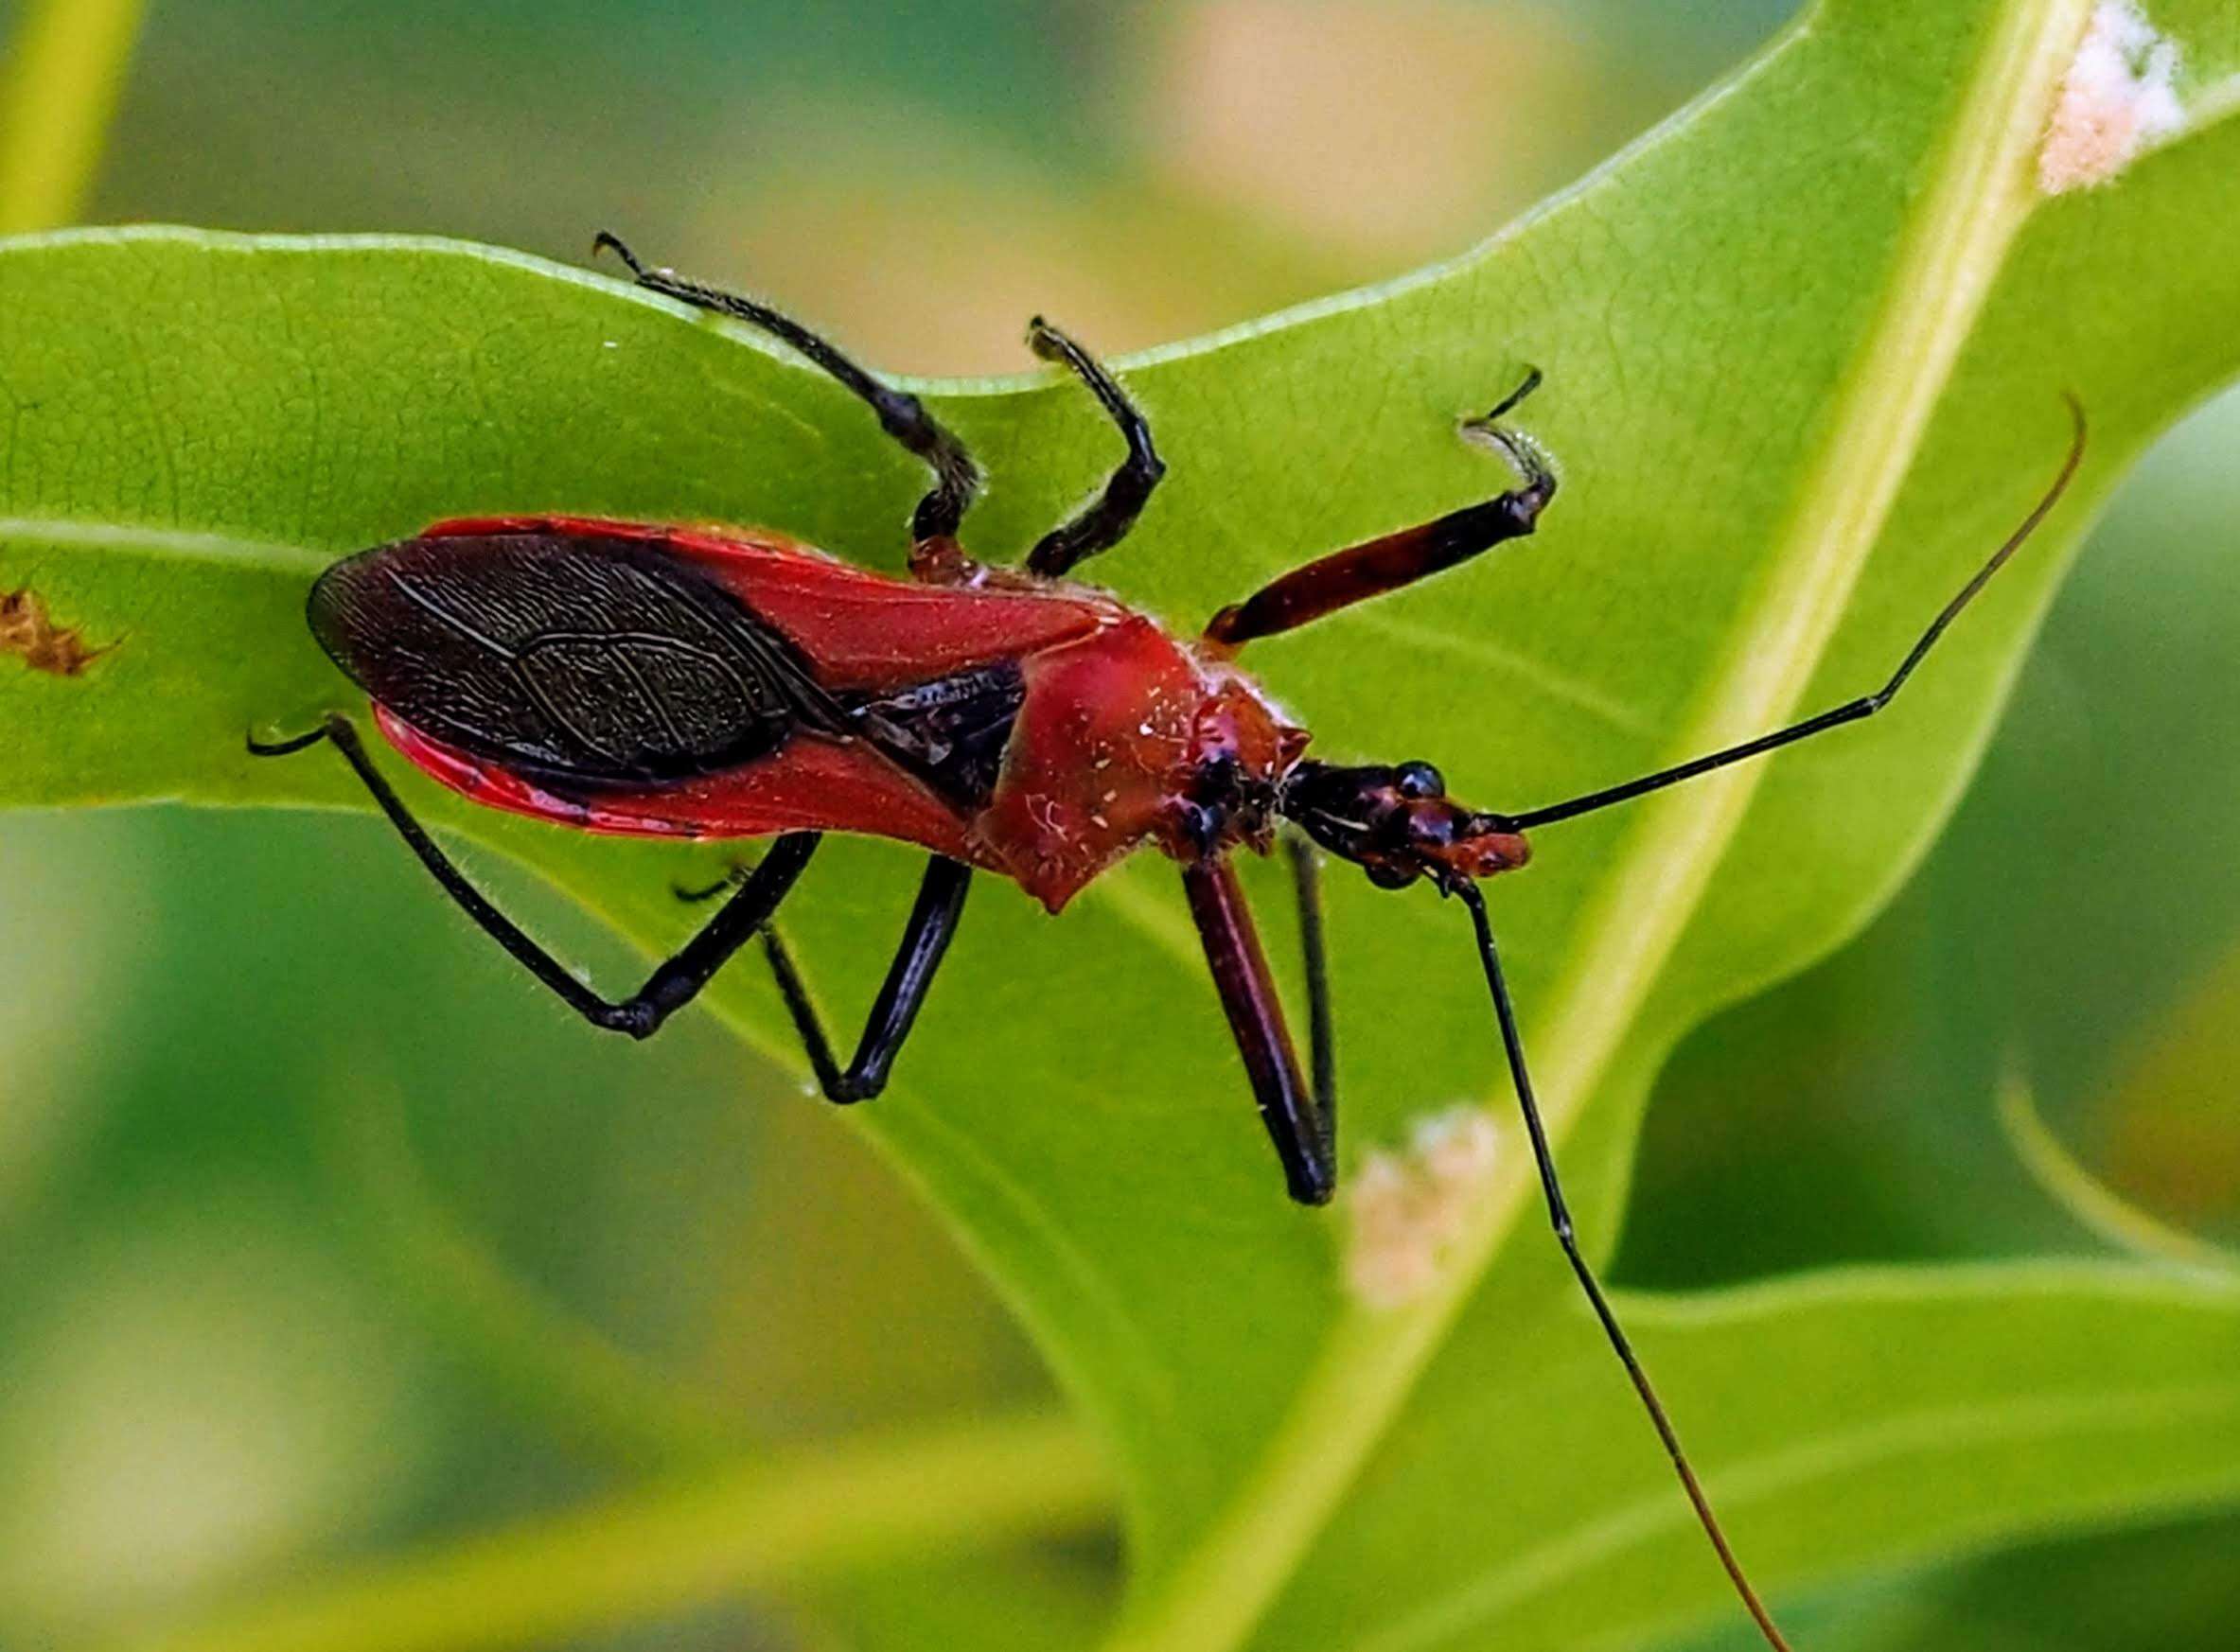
x: 1806, y: 350
x: 2055, y: 1389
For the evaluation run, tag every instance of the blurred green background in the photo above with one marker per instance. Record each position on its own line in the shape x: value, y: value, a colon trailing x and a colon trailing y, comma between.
x: 278, y: 1295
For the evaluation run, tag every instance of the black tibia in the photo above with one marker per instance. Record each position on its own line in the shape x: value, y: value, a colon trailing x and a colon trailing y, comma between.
x: 1302, y: 1128
x: 932, y: 925
x: 900, y: 415
x: 1560, y: 1217
x: 1850, y: 711
x: 572, y: 659
x: 1388, y: 564
x: 672, y: 985
x: 1109, y: 517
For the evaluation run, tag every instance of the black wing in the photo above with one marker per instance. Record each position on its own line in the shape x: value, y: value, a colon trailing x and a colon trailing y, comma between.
x: 569, y: 658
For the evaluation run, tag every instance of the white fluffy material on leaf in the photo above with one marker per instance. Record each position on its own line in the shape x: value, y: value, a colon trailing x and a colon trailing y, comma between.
x: 2120, y: 95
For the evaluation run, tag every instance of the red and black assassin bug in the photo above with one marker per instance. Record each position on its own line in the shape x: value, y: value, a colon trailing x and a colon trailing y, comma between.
x: 700, y: 682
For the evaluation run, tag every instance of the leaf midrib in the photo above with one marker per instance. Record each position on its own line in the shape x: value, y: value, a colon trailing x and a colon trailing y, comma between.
x: 1977, y: 198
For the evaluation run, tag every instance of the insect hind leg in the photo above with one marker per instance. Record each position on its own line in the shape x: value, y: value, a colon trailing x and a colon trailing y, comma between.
x: 902, y: 415
x: 673, y: 984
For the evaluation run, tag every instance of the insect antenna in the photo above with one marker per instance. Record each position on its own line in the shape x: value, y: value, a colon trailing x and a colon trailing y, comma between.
x: 1850, y: 711
x: 1560, y: 1217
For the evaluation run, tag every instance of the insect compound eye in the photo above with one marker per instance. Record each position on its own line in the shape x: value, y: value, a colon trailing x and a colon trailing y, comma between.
x: 1418, y: 780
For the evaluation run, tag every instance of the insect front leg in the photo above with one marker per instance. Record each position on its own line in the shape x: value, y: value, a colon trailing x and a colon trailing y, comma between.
x: 1377, y: 565
x: 1302, y: 1126
x: 1306, y: 888
x: 925, y: 938
x: 672, y: 985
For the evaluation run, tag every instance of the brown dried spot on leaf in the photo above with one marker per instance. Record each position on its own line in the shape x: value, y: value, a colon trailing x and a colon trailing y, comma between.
x: 28, y: 630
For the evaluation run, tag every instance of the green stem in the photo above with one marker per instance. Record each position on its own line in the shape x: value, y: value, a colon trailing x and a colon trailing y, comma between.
x: 808, y: 1515
x: 66, y: 66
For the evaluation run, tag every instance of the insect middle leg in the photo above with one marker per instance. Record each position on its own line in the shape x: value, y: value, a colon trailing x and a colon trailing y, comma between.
x: 1371, y: 569
x: 1104, y: 522
x: 925, y: 938
x: 672, y: 985
x: 902, y: 415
